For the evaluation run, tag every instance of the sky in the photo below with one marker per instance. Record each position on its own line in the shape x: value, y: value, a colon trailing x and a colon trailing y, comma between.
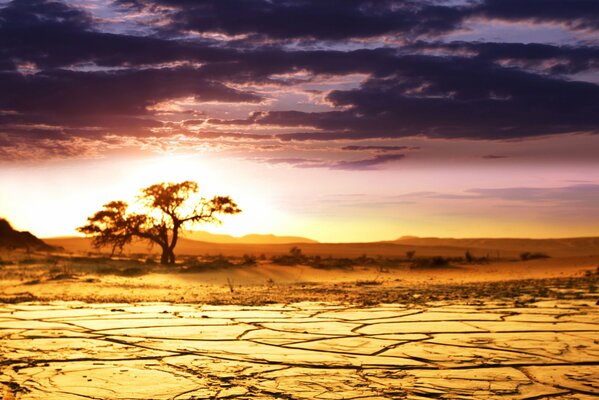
x: 338, y: 120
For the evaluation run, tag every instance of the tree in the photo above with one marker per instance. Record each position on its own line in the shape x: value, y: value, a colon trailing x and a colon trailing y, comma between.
x: 170, y: 207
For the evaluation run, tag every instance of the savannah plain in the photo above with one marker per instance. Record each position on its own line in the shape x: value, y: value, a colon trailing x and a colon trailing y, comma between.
x: 414, y: 318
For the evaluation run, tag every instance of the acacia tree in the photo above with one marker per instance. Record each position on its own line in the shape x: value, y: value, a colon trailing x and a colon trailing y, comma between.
x: 169, y: 208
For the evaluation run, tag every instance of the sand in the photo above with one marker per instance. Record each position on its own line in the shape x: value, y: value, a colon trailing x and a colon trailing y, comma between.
x: 74, y: 350
x: 508, y: 329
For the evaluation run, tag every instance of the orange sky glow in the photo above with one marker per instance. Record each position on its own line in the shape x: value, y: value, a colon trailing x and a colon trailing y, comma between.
x: 364, y: 121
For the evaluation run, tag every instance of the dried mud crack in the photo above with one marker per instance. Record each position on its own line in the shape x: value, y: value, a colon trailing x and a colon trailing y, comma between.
x: 444, y: 349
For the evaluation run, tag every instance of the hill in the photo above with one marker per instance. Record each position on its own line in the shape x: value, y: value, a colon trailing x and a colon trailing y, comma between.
x: 13, y: 239
x: 558, y: 247
x: 247, y: 239
x: 505, y: 248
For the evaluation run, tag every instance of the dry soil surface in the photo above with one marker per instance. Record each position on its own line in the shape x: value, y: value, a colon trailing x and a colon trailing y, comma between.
x: 487, y: 350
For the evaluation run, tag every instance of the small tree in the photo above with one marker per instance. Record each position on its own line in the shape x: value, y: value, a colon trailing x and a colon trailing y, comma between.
x: 170, y: 207
x: 469, y: 257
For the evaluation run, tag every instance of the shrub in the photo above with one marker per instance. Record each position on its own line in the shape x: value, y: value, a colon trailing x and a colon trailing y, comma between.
x: 133, y: 271
x: 107, y: 270
x: 249, y: 260
x: 294, y: 257
x: 431, y: 263
x: 469, y: 257
x: 209, y: 262
x: 332, y: 263
x: 532, y: 256
x: 372, y: 282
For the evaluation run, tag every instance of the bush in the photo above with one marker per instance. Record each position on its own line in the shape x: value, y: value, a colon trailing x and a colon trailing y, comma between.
x: 133, y: 271
x: 128, y: 271
x: 249, y: 260
x: 372, y: 282
x: 294, y: 257
x: 431, y: 263
x: 332, y: 263
x: 208, y: 263
x: 532, y: 256
x: 469, y: 257
x: 107, y: 271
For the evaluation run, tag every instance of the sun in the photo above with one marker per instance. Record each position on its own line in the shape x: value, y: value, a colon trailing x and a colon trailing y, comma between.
x: 260, y: 213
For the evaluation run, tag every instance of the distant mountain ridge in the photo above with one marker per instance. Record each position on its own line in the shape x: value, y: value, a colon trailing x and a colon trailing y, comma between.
x: 424, y: 247
x: 559, y: 245
x: 254, y: 238
x: 13, y: 239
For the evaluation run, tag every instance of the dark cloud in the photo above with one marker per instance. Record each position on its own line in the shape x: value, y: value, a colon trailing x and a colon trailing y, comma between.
x: 378, y: 149
x: 121, y: 92
x: 31, y: 13
x: 53, y: 34
x: 493, y: 157
x: 116, y: 100
x: 452, y: 97
x: 350, y: 165
x: 578, y: 14
x: 62, y: 76
x: 549, y: 58
x: 368, y: 163
x: 346, y: 19
x: 294, y: 161
x: 319, y: 19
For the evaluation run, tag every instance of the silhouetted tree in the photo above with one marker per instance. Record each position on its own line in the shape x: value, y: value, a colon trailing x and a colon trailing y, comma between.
x: 469, y: 257
x: 170, y: 207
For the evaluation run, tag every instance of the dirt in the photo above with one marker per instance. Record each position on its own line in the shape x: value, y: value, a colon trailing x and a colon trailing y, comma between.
x: 512, y: 330
x: 75, y: 350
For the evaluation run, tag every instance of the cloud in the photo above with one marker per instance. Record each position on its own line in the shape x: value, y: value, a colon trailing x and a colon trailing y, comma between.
x: 577, y: 14
x: 493, y: 157
x: 348, y: 165
x: 319, y: 19
x: 378, y: 149
x: 587, y: 194
x: 349, y: 19
x: 52, y: 34
x: 368, y: 163
x: 452, y: 97
x: 548, y: 58
x: 64, y: 76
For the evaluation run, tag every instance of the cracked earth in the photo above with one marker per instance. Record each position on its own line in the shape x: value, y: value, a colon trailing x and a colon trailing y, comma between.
x: 487, y: 350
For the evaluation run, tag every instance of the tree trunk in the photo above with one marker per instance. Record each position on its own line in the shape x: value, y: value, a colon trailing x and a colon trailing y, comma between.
x: 164, y: 258
x: 175, y: 238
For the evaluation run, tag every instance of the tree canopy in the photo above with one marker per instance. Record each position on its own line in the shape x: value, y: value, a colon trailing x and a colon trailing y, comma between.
x: 169, y: 208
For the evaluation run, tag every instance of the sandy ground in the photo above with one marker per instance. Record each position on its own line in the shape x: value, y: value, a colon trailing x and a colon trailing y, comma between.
x: 507, y: 329
x: 267, y: 283
x: 73, y: 350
